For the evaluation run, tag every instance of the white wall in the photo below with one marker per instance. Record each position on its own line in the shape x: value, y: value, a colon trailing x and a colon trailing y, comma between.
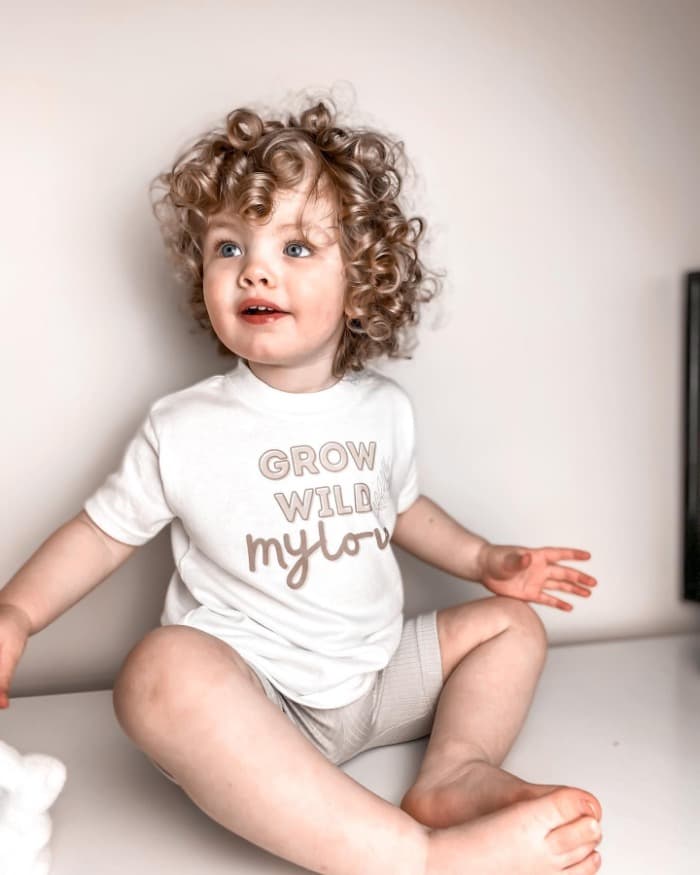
x: 555, y: 145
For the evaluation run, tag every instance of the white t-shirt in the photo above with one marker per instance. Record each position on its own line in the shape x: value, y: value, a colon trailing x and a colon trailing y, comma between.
x: 282, y: 507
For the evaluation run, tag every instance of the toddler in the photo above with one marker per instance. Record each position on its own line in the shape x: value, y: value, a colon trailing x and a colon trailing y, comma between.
x: 282, y: 649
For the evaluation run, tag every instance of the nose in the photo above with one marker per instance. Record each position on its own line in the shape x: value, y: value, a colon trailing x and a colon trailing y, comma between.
x: 256, y: 271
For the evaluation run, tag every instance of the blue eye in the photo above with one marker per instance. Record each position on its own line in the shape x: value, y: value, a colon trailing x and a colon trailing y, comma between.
x: 223, y: 243
x: 218, y: 246
x: 297, y: 243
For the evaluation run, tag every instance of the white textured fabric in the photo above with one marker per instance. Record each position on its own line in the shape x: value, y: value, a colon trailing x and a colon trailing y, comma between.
x: 29, y: 785
x: 282, y: 507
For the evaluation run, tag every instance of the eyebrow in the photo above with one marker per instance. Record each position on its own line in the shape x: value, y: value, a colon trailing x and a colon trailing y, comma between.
x: 222, y: 225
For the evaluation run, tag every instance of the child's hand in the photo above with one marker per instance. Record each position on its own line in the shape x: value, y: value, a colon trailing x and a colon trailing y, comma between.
x: 14, y: 632
x: 523, y: 573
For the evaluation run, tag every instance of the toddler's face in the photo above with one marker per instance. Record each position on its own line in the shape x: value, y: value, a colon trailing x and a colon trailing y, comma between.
x: 302, y: 276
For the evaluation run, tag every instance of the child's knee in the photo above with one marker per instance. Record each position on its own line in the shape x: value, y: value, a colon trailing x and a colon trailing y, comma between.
x: 166, y: 669
x: 522, y: 617
x: 531, y: 625
x: 139, y: 679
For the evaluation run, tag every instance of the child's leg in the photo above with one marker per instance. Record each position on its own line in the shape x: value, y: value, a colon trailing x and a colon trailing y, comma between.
x: 493, y: 651
x: 193, y: 705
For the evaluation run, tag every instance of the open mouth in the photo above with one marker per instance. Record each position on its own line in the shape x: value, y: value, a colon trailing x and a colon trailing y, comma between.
x: 254, y: 310
x: 260, y: 317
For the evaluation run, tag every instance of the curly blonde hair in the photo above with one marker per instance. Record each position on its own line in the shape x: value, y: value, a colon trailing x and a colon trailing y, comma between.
x: 241, y: 165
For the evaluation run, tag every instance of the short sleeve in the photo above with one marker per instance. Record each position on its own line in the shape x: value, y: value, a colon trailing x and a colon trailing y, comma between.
x: 408, y: 466
x: 130, y: 505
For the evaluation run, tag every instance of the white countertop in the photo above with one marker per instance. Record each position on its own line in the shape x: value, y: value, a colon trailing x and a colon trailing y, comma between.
x: 621, y: 719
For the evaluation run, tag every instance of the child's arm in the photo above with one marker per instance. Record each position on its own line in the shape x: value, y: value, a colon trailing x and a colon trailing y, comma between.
x: 425, y: 530
x: 71, y: 562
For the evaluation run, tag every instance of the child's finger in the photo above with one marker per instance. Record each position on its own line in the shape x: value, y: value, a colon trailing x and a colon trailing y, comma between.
x: 554, y: 554
x: 561, y: 572
x: 546, y: 599
x: 563, y: 586
x: 7, y: 667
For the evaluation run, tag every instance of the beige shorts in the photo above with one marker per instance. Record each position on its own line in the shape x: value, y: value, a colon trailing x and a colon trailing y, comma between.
x: 399, y: 706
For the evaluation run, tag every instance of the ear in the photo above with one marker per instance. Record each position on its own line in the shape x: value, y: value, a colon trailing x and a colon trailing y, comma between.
x: 11, y: 767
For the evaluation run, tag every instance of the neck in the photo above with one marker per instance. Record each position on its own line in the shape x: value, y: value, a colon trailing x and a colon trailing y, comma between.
x: 299, y: 380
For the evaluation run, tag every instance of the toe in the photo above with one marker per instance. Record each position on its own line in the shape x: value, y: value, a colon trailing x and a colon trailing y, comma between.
x: 567, y: 861
x: 589, y: 799
x: 586, y: 867
x: 564, y: 806
x: 597, y: 808
x: 567, y: 838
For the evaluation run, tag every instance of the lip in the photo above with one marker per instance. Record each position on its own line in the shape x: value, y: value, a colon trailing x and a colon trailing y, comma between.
x: 259, y: 302
x: 262, y: 318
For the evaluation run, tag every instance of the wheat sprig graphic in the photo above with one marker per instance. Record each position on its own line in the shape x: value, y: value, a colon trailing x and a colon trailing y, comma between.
x: 379, y: 496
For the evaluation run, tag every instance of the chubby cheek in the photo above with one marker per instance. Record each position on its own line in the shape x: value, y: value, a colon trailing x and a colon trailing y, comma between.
x: 320, y: 320
x: 325, y: 315
x: 325, y: 310
x: 216, y: 300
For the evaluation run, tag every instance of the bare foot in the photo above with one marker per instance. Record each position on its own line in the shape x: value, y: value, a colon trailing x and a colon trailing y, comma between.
x: 474, y: 789
x: 541, y: 836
